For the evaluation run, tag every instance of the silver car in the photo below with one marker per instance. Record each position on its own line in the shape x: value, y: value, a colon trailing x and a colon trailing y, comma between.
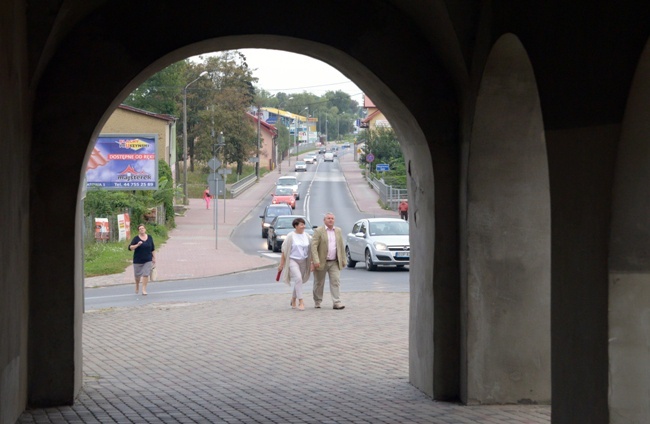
x: 379, y: 241
x: 290, y: 182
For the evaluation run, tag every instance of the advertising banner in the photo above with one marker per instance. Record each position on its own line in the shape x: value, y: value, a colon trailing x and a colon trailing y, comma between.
x: 102, y: 230
x: 124, y: 162
x: 124, y: 226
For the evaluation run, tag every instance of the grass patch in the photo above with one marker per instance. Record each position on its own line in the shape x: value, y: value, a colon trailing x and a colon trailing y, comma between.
x: 114, y: 257
x: 106, y: 258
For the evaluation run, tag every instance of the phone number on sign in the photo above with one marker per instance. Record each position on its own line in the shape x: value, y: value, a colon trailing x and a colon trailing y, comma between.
x: 134, y: 184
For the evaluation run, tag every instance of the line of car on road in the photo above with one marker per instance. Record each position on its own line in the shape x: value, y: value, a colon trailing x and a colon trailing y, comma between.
x: 372, y: 241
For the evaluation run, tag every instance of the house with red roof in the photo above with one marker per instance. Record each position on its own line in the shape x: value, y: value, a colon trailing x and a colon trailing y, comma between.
x: 374, y: 117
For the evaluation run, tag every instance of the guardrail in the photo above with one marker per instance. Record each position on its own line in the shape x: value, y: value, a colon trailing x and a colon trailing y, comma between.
x: 240, y: 186
x: 389, y: 196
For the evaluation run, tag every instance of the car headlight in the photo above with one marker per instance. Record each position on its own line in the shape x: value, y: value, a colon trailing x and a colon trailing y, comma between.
x: 282, y: 237
x: 267, y: 224
x: 380, y: 246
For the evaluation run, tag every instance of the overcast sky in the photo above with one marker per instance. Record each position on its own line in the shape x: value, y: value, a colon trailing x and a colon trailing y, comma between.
x: 280, y: 71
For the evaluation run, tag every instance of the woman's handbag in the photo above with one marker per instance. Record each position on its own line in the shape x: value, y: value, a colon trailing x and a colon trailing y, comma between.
x: 154, y: 274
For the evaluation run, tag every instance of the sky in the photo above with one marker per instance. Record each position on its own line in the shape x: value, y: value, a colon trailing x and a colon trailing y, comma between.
x: 280, y: 71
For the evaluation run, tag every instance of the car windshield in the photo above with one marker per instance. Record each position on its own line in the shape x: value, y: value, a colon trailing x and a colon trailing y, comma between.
x: 276, y: 211
x: 287, y: 222
x: 283, y: 192
x: 300, y: 163
x: 287, y: 181
x: 284, y: 222
x: 388, y: 228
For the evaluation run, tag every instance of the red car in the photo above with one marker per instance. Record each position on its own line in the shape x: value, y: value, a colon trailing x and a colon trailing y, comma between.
x: 284, y: 195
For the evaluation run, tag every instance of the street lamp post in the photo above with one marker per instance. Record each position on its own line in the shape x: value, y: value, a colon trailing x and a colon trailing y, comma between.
x: 259, y: 133
x: 307, y: 125
x: 185, y: 200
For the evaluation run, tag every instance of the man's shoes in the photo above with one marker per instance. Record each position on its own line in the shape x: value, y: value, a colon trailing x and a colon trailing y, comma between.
x: 317, y: 306
x: 339, y: 306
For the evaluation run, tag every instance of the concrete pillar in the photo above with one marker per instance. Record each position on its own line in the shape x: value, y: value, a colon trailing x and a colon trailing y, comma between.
x: 507, y: 304
x: 629, y: 281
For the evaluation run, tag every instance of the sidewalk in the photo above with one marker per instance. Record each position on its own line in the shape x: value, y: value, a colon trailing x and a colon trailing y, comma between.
x: 190, y: 250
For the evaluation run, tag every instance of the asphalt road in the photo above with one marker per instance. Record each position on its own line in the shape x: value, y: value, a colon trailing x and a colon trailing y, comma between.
x: 322, y: 189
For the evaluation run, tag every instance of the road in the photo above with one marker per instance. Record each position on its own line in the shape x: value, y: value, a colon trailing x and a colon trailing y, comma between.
x: 322, y: 189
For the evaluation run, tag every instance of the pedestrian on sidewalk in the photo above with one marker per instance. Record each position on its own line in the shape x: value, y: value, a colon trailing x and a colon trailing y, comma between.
x: 144, y: 258
x: 207, y: 197
x: 296, y: 250
x: 403, y: 209
x: 328, y: 258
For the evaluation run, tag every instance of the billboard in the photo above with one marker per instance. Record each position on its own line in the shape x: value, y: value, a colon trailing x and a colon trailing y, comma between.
x: 124, y: 162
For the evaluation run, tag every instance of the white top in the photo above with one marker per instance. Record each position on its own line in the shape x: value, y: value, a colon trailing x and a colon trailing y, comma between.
x: 300, y: 246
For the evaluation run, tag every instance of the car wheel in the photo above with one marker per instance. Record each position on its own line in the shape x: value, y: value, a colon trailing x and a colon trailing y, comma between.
x: 265, y: 234
x: 351, y: 263
x: 369, y: 265
x: 276, y: 248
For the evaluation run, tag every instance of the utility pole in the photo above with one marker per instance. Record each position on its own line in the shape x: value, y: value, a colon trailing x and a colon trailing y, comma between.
x: 259, y: 134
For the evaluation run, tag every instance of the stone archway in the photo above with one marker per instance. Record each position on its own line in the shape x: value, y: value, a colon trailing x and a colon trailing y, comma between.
x: 507, y: 299
x: 629, y: 273
x: 82, y: 84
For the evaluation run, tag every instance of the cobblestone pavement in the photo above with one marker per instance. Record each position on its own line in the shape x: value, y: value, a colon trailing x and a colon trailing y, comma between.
x: 253, y: 359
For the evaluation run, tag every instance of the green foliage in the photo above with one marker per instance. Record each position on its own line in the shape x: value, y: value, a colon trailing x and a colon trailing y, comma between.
x: 283, y: 140
x: 382, y: 143
x: 162, y: 92
x: 166, y: 191
x: 115, y: 257
x: 100, y: 202
x: 223, y: 97
x: 384, y: 146
x: 106, y: 258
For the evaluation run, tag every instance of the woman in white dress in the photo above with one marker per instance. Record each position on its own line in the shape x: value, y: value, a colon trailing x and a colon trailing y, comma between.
x: 296, y: 253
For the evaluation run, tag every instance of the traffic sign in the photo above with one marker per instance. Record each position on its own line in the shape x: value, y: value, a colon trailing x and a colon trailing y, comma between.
x: 214, y: 163
x: 370, y: 157
x: 382, y: 167
x: 225, y: 171
x: 216, y: 184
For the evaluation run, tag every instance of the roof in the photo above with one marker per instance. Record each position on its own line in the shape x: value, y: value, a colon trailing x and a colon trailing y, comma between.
x: 367, y: 102
x: 164, y: 117
x: 270, y: 128
x: 372, y: 115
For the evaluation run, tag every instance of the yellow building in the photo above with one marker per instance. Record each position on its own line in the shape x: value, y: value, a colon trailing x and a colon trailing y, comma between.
x: 130, y: 120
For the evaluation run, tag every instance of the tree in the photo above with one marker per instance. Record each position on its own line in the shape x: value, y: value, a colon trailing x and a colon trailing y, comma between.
x: 162, y: 92
x: 382, y: 143
x: 226, y: 94
x: 283, y: 140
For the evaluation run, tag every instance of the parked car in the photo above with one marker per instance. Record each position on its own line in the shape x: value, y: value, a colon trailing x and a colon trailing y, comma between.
x: 346, y: 145
x: 328, y: 157
x: 284, y: 195
x: 378, y: 241
x: 311, y: 159
x: 280, y: 227
x: 300, y: 166
x: 270, y: 212
x: 289, y: 182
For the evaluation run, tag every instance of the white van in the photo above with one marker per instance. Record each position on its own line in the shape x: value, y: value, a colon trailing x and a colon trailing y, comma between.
x: 329, y: 157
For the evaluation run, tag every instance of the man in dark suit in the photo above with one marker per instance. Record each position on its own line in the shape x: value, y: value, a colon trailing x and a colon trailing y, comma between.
x: 328, y: 258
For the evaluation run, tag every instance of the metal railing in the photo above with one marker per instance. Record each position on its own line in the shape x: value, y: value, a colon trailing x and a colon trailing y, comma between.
x: 240, y: 186
x: 388, y: 195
